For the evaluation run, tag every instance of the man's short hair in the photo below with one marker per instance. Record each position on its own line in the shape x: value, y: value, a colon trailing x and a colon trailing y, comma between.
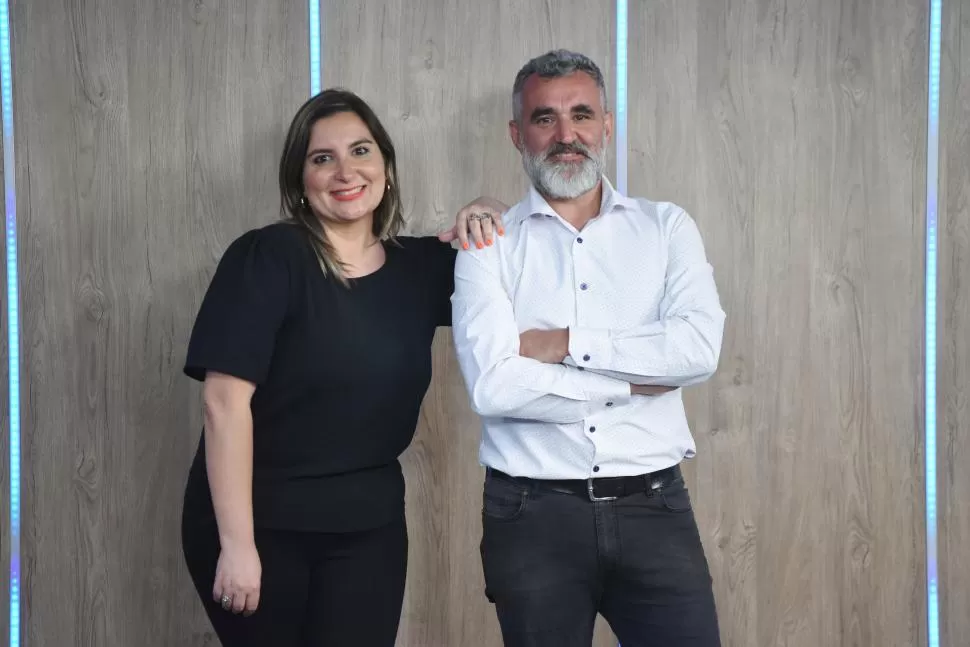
x: 551, y: 65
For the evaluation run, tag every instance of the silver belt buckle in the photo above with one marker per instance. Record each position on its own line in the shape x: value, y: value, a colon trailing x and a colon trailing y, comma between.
x: 593, y: 497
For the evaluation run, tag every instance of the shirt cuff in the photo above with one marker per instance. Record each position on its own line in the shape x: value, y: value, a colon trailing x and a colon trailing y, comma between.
x: 591, y: 348
x: 602, y: 391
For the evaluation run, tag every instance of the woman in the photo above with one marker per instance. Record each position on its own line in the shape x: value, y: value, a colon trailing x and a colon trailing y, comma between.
x: 314, y: 345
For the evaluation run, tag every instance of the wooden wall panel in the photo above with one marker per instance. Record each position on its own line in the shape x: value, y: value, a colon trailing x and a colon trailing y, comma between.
x: 149, y: 135
x: 147, y: 138
x: 794, y: 134
x: 954, y: 329
x: 439, y: 74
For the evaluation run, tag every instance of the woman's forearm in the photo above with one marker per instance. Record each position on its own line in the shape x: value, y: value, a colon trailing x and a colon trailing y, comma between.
x: 229, y: 464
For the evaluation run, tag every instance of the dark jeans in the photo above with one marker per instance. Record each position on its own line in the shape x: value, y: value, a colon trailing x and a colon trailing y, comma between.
x: 317, y: 589
x: 553, y: 560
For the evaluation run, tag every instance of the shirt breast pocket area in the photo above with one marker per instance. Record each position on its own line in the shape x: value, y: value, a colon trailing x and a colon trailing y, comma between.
x: 503, y: 500
x: 641, y: 285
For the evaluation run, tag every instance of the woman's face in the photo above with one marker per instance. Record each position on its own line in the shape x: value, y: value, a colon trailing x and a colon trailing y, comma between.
x: 343, y: 171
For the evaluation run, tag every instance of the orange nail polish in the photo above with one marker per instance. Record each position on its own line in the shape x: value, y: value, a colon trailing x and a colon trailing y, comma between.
x: 464, y: 245
x: 489, y: 242
x: 501, y: 232
x: 479, y: 245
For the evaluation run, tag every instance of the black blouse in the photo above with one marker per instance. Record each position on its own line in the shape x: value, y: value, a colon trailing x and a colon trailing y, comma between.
x: 340, y: 374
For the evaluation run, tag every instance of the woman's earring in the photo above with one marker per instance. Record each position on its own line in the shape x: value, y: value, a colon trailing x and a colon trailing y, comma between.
x: 303, y: 202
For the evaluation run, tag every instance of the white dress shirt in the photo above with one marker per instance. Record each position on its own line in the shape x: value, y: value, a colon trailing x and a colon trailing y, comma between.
x: 637, y: 294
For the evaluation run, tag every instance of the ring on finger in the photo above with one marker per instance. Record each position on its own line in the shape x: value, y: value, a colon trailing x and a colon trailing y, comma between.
x: 226, y: 602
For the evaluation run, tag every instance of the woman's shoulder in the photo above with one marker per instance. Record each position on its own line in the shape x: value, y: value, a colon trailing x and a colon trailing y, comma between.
x: 424, y: 246
x: 426, y: 257
x: 277, y: 249
x: 281, y: 240
x: 283, y: 235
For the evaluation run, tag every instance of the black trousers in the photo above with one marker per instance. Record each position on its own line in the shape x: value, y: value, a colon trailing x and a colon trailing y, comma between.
x: 317, y: 589
x: 553, y: 560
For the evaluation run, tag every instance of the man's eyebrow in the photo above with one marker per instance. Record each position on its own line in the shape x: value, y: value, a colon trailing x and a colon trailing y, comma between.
x: 541, y: 111
x: 545, y: 111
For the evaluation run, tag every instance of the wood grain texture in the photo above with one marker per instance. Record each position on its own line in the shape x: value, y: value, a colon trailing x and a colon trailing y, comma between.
x: 793, y: 133
x: 148, y: 134
x: 439, y: 74
x: 953, y: 371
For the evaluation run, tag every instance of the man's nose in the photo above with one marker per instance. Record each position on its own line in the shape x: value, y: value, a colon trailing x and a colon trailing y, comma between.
x: 565, y: 133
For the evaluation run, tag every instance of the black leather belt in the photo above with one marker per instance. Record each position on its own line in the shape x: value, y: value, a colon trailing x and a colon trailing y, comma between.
x: 599, y: 489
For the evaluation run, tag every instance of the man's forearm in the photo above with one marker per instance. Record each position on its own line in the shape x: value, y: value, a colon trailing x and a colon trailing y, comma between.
x: 552, y: 347
x: 676, y: 351
x: 519, y: 387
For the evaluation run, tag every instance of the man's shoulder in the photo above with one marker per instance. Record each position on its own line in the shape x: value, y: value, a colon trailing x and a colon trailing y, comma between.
x: 661, y: 211
x: 506, y: 251
x: 518, y: 212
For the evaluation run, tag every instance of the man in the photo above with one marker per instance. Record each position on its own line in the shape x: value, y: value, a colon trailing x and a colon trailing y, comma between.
x: 575, y: 334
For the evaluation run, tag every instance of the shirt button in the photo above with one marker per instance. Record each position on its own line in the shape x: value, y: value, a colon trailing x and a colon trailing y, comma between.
x: 579, y: 240
x: 609, y: 404
x: 592, y: 430
x: 585, y: 358
x: 596, y: 469
x: 583, y: 286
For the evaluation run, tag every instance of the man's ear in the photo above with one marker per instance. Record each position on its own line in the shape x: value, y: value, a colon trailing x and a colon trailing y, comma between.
x: 515, y: 134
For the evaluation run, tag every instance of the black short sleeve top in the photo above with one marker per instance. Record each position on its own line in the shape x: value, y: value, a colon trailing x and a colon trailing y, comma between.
x: 340, y: 373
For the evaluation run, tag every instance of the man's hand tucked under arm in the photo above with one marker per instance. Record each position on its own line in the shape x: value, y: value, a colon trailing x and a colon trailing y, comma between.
x: 547, y: 346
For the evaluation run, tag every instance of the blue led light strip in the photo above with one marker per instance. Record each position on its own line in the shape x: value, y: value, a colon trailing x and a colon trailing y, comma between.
x: 13, y: 319
x: 314, y: 46
x: 622, y: 27
x: 620, y: 110
x: 932, y: 196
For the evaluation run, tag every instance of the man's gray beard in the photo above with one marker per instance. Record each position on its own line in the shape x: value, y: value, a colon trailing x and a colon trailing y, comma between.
x: 565, y: 180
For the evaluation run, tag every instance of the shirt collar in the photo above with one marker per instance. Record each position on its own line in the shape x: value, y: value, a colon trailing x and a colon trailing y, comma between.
x: 537, y: 205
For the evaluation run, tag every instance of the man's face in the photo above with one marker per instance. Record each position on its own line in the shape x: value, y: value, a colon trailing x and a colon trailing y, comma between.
x: 563, y: 134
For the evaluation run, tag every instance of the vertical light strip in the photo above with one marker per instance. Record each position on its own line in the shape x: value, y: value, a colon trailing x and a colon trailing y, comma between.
x: 13, y: 317
x: 314, y: 46
x: 932, y: 196
x: 620, y: 110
